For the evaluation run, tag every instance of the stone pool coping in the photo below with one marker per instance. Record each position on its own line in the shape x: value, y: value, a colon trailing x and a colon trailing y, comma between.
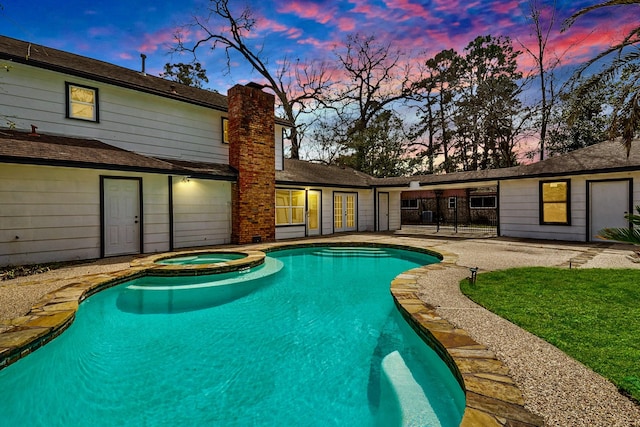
x: 492, y: 398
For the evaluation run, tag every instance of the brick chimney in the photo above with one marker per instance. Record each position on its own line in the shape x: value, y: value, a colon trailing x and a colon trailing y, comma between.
x: 252, y: 154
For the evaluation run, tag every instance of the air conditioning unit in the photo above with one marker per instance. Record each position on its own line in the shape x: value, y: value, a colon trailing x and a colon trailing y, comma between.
x: 427, y: 216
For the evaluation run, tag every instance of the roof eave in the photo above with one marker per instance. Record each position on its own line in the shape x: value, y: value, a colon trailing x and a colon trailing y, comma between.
x: 107, y: 80
x: 116, y: 167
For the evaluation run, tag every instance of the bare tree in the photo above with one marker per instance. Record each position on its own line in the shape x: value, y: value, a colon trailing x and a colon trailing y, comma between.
x: 294, y: 84
x: 545, y: 67
x: 376, y: 81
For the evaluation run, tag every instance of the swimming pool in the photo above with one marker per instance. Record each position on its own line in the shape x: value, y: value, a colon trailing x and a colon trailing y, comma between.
x: 317, y: 343
x: 202, y: 258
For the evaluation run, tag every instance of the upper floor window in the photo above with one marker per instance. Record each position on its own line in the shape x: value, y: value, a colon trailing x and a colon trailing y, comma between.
x: 82, y: 102
x: 555, y: 202
x: 225, y: 130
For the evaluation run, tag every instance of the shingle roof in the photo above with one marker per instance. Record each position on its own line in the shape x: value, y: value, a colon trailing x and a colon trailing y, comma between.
x: 206, y: 170
x: 42, y: 149
x: 81, y: 66
x: 607, y: 156
x: 300, y: 172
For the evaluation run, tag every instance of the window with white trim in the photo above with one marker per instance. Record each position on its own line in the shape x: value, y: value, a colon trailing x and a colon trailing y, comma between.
x: 452, y: 202
x: 82, y: 102
x: 290, y: 206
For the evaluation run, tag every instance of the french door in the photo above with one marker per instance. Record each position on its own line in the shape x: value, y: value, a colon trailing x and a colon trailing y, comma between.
x: 345, y: 209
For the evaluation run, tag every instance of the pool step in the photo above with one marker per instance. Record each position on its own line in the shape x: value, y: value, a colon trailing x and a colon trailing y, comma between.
x: 337, y: 252
x: 401, y: 397
x: 185, y: 293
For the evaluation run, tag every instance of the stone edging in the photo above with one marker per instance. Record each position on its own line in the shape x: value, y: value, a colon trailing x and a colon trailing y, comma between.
x: 492, y: 397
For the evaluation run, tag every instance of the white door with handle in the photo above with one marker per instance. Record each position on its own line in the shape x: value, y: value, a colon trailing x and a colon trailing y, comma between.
x: 609, y: 202
x: 383, y: 211
x: 121, y: 216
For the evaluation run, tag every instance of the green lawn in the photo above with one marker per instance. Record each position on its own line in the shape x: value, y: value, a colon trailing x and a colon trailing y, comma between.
x: 593, y: 315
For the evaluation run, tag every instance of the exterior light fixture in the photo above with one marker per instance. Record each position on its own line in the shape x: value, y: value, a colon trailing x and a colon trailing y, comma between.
x: 474, y: 274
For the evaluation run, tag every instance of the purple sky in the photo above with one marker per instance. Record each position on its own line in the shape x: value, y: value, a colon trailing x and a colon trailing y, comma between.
x: 118, y: 31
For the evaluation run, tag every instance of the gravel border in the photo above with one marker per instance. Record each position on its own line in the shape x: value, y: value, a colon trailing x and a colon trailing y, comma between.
x: 555, y: 386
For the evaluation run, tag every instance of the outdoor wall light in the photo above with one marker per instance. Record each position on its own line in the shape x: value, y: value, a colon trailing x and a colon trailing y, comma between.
x: 186, y: 179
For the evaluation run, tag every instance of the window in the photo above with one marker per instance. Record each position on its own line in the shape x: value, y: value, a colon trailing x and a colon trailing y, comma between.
x: 554, y: 202
x: 225, y: 130
x: 409, y: 204
x: 289, y: 207
x: 452, y: 202
x: 482, y: 202
x: 82, y: 102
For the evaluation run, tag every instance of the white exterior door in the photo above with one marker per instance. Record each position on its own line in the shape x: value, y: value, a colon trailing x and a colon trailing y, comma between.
x: 121, y: 216
x: 609, y: 202
x: 345, y: 211
x: 383, y: 211
x: 313, y: 213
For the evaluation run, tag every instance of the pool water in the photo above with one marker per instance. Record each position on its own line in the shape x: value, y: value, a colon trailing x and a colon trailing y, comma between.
x: 318, y: 343
x: 204, y: 258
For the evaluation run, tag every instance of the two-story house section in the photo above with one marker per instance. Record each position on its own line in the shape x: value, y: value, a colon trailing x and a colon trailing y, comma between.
x: 99, y: 160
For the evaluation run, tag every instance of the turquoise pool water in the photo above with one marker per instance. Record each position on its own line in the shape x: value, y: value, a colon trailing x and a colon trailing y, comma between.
x: 317, y: 343
x: 204, y: 258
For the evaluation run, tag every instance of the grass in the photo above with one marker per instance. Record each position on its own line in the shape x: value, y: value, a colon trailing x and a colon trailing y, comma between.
x: 593, y: 315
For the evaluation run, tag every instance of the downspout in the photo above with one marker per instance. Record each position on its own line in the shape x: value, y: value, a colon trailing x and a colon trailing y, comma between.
x: 498, y: 209
x: 375, y: 209
x: 171, y: 242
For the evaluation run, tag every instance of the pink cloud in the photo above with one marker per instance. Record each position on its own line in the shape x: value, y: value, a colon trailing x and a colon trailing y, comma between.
x: 163, y: 38
x: 369, y: 11
x: 346, y: 24
x: 504, y: 8
x: 309, y: 10
x: 265, y: 25
x: 411, y: 10
x: 322, y: 45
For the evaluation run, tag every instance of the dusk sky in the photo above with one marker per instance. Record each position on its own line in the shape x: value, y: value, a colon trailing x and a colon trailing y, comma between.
x: 118, y: 31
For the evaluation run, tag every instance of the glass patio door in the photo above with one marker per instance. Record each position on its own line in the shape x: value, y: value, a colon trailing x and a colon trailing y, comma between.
x: 313, y: 213
x: 345, y: 211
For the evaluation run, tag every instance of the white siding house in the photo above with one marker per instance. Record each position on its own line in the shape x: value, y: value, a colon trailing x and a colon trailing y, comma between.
x: 567, y: 197
x: 97, y: 160
x: 590, y: 209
